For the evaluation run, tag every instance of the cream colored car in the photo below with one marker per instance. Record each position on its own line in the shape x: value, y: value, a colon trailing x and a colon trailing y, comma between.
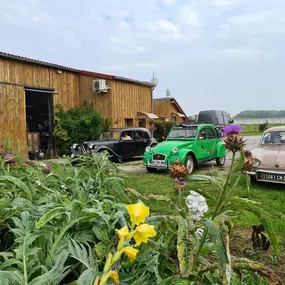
x: 269, y: 156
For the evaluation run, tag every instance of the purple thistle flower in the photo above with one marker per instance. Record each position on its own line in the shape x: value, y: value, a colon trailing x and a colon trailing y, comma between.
x: 48, y: 166
x: 232, y: 129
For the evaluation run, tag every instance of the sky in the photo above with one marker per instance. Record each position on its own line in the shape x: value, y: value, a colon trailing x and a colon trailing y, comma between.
x: 210, y: 54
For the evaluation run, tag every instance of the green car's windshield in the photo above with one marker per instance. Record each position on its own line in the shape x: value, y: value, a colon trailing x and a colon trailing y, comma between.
x: 182, y: 133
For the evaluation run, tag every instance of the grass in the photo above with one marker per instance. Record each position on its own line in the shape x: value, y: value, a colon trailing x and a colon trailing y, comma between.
x: 251, y: 130
x: 271, y: 195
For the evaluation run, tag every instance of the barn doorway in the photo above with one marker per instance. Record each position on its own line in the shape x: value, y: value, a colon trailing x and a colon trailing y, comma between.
x: 39, y: 120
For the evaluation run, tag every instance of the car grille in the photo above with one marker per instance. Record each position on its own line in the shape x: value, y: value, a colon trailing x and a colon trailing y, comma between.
x: 85, y: 147
x: 159, y: 157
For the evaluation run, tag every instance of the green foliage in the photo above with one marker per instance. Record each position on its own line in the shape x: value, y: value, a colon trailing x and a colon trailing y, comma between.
x: 185, y: 246
x: 77, y: 125
x: 51, y: 226
x: 215, y: 233
x: 159, y: 132
x: 262, y: 127
x: 261, y: 114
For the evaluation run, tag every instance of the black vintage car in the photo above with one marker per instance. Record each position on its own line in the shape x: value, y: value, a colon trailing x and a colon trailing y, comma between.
x: 119, y: 143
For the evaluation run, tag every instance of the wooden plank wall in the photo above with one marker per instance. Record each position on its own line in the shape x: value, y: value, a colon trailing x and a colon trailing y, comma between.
x: 102, y: 102
x: 66, y: 83
x: 121, y: 102
x: 174, y: 109
x: 163, y: 108
x: 12, y: 98
x: 167, y: 108
x: 12, y: 112
x: 128, y: 99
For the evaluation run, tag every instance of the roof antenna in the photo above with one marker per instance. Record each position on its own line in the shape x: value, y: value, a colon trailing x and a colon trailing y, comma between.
x: 154, y: 80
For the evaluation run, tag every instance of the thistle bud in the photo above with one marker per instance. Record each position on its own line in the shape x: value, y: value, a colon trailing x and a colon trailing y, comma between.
x: 233, y: 140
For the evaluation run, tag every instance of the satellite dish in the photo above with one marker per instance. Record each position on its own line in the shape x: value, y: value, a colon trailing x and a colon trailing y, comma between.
x: 154, y: 81
x: 168, y: 93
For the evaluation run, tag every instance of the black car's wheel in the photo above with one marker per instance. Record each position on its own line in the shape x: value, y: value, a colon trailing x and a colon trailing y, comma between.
x: 190, y: 163
x: 151, y: 170
x: 221, y: 160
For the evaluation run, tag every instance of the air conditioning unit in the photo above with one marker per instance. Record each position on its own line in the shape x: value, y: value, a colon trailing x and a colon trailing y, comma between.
x: 100, y: 85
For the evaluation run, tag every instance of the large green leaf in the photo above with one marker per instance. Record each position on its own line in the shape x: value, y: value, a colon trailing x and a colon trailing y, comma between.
x: 87, y: 277
x: 18, y: 183
x: 215, y: 181
x: 76, y: 209
x: 11, y: 277
x: 216, y: 235
x: 79, y: 252
x: 184, y: 247
x: 50, y: 215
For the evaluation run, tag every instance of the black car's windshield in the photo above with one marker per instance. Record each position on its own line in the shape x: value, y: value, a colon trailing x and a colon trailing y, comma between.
x: 110, y: 135
x: 182, y: 133
x: 274, y: 138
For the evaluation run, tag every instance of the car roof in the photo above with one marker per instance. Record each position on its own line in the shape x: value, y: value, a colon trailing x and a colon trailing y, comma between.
x: 194, y: 124
x: 275, y: 129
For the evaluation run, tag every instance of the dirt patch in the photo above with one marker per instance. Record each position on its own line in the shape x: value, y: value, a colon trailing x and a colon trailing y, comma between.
x: 241, y: 246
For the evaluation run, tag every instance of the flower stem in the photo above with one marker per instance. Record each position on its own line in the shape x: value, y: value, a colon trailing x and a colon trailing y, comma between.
x: 105, y: 278
x: 222, y: 195
x: 220, y: 201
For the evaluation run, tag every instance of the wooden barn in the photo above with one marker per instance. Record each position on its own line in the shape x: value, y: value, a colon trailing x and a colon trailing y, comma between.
x: 169, y: 109
x: 30, y: 90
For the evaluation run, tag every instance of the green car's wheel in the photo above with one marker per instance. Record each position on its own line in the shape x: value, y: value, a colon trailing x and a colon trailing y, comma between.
x: 151, y: 170
x: 189, y: 163
x: 220, y: 160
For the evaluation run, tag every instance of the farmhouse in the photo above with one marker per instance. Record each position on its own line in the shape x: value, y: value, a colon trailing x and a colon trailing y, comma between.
x: 169, y: 109
x: 30, y: 90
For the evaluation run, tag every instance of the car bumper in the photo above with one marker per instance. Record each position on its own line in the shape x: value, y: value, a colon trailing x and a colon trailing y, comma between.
x: 270, y: 176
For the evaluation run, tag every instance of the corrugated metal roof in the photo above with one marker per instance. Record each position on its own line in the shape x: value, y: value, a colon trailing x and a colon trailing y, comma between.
x: 35, y: 61
x: 163, y: 98
x: 83, y: 72
x: 133, y: 81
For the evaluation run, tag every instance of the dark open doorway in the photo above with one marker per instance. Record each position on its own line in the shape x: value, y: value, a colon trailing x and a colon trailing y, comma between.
x: 39, y: 118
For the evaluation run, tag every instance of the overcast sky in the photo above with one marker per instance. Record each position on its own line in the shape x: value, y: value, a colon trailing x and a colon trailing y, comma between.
x: 211, y: 54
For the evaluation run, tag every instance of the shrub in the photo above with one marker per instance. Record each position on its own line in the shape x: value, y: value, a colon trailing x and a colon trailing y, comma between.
x: 263, y: 127
x: 159, y: 132
x: 76, y: 125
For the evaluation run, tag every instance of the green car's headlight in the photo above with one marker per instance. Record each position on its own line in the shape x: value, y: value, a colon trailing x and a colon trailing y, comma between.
x: 147, y: 149
x: 174, y: 150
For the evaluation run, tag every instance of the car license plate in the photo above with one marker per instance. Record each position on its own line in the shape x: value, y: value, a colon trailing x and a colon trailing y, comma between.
x: 158, y: 162
x: 272, y: 176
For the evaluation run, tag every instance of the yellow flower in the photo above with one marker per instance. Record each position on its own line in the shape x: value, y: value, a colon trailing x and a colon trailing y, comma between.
x: 143, y: 232
x: 138, y: 213
x: 130, y: 252
x: 114, y: 275
x: 123, y: 232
